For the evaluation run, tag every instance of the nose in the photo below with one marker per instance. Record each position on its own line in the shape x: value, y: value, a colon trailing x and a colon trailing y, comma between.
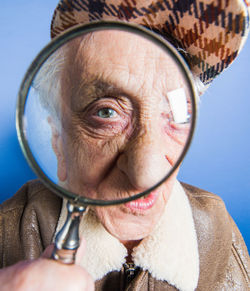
x: 144, y: 160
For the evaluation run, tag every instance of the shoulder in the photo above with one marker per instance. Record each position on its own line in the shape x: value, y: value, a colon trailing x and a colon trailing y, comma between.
x: 222, y: 250
x: 208, y: 209
x: 210, y: 215
x: 27, y: 222
x: 24, y: 196
x: 202, y: 197
x: 33, y: 195
x: 33, y: 199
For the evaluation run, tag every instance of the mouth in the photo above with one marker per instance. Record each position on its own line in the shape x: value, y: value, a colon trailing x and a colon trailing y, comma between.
x: 143, y: 203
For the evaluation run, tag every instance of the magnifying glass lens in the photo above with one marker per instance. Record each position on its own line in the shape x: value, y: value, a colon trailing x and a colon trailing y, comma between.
x: 108, y: 115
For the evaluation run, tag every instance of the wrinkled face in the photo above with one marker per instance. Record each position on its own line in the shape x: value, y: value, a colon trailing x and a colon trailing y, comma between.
x: 118, y: 135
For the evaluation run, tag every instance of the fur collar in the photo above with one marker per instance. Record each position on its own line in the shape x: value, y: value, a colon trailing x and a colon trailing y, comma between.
x: 169, y: 253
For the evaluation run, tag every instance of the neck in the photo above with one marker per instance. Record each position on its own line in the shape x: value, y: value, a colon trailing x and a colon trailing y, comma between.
x: 130, y: 245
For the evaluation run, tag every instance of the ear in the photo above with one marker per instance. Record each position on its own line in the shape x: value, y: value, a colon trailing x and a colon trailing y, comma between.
x: 57, y: 145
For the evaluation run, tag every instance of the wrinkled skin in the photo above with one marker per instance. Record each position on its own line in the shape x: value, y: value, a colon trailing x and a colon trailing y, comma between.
x: 116, y: 153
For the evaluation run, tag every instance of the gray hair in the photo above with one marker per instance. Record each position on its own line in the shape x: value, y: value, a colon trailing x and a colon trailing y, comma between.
x: 47, y: 83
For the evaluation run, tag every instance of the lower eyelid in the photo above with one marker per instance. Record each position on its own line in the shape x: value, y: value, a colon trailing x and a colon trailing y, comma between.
x: 108, y: 123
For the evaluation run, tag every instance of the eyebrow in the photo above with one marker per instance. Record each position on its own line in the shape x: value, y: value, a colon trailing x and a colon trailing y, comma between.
x: 95, y: 89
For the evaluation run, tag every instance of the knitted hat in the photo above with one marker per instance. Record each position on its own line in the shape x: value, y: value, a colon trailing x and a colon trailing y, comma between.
x: 210, y: 32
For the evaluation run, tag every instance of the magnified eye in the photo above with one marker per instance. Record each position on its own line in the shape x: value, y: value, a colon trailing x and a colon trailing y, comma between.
x: 106, y: 113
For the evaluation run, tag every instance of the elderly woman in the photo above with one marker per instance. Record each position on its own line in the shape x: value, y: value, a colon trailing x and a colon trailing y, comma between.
x: 179, y: 237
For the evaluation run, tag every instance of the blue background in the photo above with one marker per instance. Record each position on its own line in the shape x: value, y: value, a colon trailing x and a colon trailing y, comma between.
x: 219, y: 158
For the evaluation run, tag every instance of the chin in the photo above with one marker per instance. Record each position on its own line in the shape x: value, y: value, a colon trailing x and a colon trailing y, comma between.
x: 134, y: 220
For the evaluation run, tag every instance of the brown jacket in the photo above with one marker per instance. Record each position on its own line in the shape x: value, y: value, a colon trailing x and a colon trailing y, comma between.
x: 28, y: 222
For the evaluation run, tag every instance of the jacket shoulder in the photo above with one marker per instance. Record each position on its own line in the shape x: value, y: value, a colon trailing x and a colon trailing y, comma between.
x: 223, y: 254
x: 27, y: 222
x: 209, y: 210
x: 22, y: 196
x: 209, y: 213
x: 204, y: 197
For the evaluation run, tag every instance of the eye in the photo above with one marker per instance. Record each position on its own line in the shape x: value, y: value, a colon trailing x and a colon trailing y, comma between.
x: 106, y: 117
x: 106, y: 113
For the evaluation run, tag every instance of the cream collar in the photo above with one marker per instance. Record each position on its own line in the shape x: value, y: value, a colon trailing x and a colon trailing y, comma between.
x: 169, y: 253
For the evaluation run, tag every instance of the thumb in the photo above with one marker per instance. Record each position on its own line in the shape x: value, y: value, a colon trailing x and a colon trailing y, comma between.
x: 80, y: 252
x: 47, y: 253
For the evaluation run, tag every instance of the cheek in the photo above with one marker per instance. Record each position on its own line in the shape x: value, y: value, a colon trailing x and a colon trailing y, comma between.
x: 175, y: 141
x: 177, y: 132
x: 169, y: 184
x: 89, y: 159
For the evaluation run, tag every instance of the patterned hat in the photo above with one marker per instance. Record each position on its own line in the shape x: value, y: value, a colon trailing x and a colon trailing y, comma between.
x: 211, y: 32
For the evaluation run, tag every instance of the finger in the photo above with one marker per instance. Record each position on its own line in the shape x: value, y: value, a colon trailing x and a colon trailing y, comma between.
x: 90, y: 285
x: 48, y: 251
x: 81, y: 251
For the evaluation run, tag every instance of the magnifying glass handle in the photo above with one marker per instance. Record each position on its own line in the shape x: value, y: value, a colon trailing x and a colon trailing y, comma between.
x: 67, y: 240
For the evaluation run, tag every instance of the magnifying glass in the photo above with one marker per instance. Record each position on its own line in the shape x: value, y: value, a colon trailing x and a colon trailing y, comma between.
x: 105, y: 115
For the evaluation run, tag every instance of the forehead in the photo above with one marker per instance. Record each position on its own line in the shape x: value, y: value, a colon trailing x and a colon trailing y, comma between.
x: 121, y: 60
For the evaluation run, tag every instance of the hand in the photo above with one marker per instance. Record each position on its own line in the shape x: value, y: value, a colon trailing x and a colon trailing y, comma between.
x: 46, y: 274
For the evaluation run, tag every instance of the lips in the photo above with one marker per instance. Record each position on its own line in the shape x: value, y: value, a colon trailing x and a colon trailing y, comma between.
x: 143, y: 203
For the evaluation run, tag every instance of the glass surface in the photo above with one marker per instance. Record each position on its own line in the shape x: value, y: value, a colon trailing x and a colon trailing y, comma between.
x: 108, y: 115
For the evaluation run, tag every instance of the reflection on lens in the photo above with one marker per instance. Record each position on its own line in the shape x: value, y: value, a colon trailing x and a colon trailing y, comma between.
x: 108, y: 115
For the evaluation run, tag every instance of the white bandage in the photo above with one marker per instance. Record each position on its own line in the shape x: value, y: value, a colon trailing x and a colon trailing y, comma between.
x: 178, y: 104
